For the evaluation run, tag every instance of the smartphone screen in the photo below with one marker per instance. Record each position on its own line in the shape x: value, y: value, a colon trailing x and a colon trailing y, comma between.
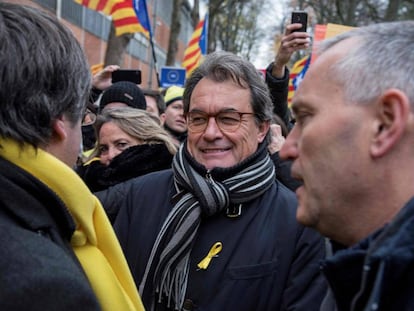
x: 300, y: 17
x: 131, y: 75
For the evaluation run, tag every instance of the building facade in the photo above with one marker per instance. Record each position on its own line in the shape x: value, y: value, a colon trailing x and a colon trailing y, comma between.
x: 92, y: 29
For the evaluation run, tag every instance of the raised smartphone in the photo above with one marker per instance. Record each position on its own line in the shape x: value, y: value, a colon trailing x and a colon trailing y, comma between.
x: 131, y: 75
x: 300, y: 17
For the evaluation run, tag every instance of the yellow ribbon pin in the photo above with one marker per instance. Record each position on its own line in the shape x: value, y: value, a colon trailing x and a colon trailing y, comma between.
x: 214, y: 250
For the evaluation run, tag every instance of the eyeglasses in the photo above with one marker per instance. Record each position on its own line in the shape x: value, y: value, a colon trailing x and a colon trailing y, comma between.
x: 227, y: 121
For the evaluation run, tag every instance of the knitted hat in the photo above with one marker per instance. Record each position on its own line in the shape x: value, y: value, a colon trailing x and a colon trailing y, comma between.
x: 172, y: 94
x: 123, y: 92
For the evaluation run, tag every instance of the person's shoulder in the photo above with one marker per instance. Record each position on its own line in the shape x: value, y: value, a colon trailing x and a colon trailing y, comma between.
x: 149, y: 178
x: 154, y: 177
x: 148, y: 183
x: 282, y: 201
x: 284, y: 192
x: 29, y: 279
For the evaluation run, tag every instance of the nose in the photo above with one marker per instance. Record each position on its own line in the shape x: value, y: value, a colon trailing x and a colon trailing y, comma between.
x: 181, y: 115
x: 112, y: 153
x: 289, y: 148
x: 212, y: 130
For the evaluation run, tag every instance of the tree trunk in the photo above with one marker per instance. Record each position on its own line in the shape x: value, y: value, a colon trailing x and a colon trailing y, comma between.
x: 392, y: 10
x: 175, y: 31
x: 195, y: 13
x: 116, y: 47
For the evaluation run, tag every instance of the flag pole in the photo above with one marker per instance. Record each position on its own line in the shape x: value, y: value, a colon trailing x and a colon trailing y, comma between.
x: 206, y: 25
x: 155, y: 61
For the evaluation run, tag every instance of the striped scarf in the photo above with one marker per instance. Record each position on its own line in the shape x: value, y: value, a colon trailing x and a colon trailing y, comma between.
x: 168, y: 265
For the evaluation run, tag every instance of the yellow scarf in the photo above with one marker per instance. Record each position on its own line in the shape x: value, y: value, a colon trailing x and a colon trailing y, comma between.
x: 94, y: 241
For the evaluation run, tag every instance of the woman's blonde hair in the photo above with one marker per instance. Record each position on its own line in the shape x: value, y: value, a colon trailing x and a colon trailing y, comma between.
x: 137, y: 123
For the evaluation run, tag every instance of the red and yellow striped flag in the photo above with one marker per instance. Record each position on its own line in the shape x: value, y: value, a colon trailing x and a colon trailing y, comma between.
x: 296, y: 75
x: 128, y: 16
x: 96, y: 68
x: 196, y: 47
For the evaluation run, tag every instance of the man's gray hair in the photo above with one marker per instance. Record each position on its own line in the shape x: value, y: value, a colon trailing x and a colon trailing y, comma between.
x: 382, y: 58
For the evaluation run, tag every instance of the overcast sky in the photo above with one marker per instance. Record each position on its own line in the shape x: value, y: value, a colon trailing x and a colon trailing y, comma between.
x: 271, y: 19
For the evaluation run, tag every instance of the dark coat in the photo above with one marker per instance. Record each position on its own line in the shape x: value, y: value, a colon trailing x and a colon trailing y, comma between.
x: 283, y: 172
x: 279, y: 92
x: 279, y: 89
x: 268, y: 261
x: 38, y: 269
x: 132, y: 162
x: 378, y: 273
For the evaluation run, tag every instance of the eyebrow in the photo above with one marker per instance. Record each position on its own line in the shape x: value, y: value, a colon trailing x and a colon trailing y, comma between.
x: 177, y: 104
x: 122, y: 140
x: 294, y: 108
x: 221, y: 110
x: 298, y: 104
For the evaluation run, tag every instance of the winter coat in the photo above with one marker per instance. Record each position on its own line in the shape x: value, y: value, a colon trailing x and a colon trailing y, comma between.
x: 377, y: 273
x: 283, y: 172
x: 279, y: 92
x: 279, y: 89
x: 268, y: 261
x: 38, y: 269
x: 132, y: 162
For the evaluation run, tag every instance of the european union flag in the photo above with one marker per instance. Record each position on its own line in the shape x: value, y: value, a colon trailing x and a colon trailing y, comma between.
x: 140, y: 7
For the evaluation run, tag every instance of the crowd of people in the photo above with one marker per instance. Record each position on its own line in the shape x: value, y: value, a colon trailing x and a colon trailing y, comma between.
x: 116, y: 197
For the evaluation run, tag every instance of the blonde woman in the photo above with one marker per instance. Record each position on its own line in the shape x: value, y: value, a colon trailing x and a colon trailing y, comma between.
x: 130, y: 143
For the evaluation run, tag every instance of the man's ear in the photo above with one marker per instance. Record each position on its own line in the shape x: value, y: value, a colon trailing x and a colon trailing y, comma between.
x: 163, y: 116
x: 393, y: 110
x: 263, y: 129
x: 59, y: 129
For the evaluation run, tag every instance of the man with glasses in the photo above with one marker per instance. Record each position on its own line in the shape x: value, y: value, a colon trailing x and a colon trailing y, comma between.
x: 218, y: 231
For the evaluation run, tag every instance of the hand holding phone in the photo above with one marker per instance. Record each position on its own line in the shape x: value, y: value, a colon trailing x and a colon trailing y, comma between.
x: 300, y: 17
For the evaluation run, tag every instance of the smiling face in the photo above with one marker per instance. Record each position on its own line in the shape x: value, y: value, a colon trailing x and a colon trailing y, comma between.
x: 113, y: 141
x: 213, y: 147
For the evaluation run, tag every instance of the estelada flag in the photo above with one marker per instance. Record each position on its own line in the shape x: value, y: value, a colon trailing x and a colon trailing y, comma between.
x: 128, y: 16
x: 296, y: 75
x: 96, y: 68
x: 196, y: 47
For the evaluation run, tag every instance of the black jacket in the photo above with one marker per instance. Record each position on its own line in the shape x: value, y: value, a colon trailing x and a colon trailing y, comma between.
x: 279, y: 89
x: 38, y: 269
x: 377, y: 273
x: 283, y: 172
x: 279, y: 92
x: 268, y: 261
